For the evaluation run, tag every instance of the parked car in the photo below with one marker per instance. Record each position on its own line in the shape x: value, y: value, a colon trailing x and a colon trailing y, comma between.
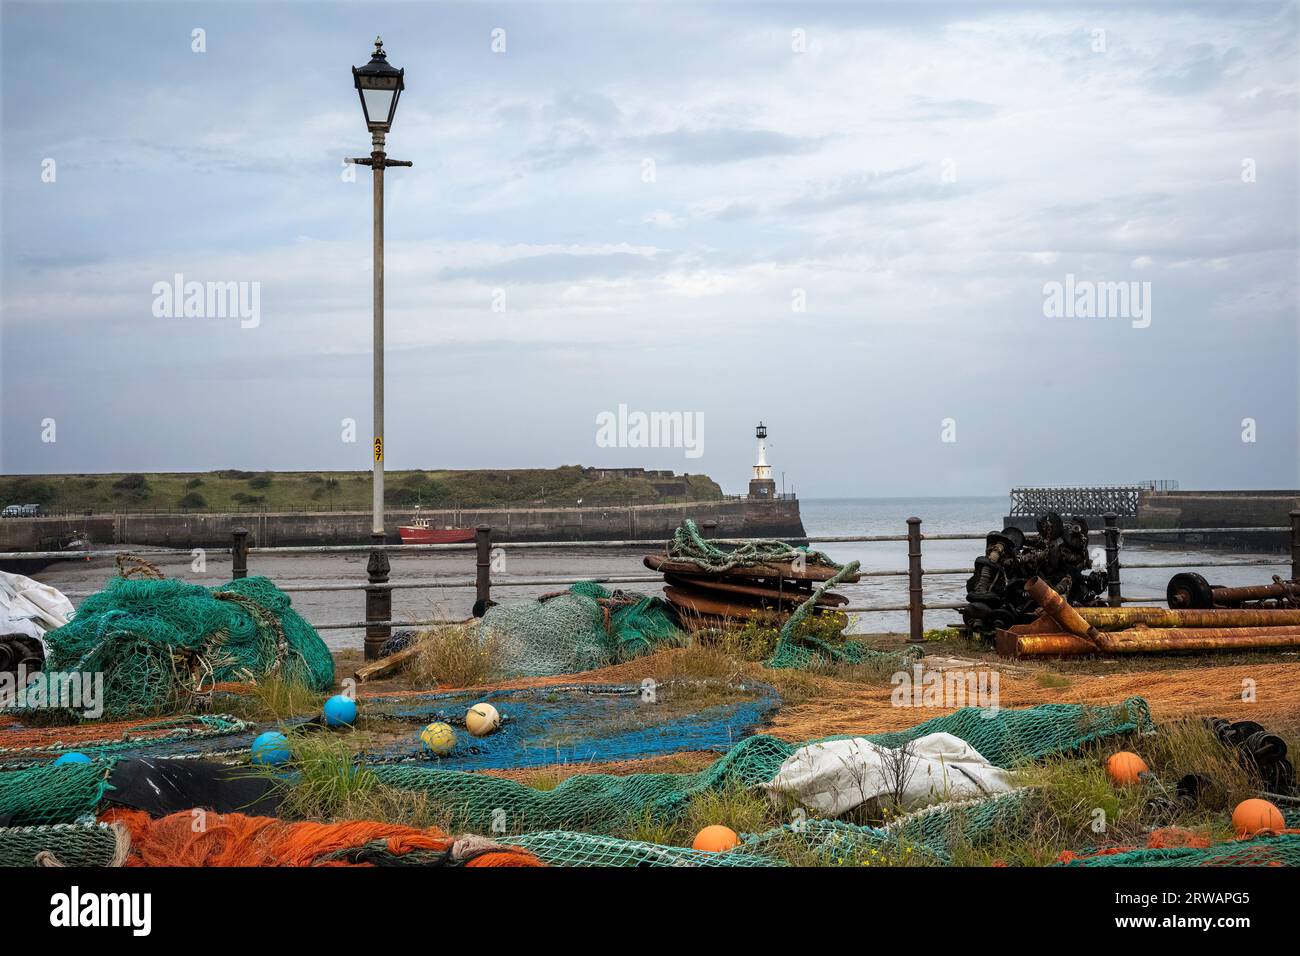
x: 12, y: 511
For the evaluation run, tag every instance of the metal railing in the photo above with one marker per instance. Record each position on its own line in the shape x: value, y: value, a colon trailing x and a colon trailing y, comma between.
x: 379, y: 589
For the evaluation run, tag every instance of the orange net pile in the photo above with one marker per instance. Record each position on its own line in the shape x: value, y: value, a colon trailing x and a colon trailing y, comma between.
x: 233, y: 839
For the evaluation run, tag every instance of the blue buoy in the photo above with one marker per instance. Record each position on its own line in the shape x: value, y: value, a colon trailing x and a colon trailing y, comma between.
x: 271, y: 748
x: 340, y: 711
x: 73, y: 757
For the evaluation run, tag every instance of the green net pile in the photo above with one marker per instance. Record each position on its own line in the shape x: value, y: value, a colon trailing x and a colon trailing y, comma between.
x: 162, y: 644
x: 798, y: 650
x: 47, y: 794
x: 81, y: 844
x: 688, y: 544
x: 585, y: 627
x: 603, y: 803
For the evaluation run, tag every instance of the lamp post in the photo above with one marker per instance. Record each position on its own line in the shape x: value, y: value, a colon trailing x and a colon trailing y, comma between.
x: 379, y: 86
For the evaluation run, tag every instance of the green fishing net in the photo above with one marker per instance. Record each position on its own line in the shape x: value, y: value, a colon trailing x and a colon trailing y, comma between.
x: 47, y: 793
x: 80, y: 844
x: 688, y: 544
x: 604, y: 803
x: 585, y: 627
x: 161, y: 644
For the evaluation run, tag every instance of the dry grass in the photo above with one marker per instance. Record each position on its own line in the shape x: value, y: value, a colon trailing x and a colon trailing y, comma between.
x: 272, y: 699
x: 453, y: 655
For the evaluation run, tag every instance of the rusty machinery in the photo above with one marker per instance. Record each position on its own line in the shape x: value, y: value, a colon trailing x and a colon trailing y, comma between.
x: 1057, y: 553
x: 1190, y: 590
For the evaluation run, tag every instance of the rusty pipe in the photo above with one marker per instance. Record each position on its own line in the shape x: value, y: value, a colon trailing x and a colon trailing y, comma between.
x: 1060, y: 611
x: 1148, y: 640
x: 1253, y: 592
x: 1115, y: 618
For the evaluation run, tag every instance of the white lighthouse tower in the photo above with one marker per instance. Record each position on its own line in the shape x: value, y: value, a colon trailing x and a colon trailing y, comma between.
x: 762, y: 485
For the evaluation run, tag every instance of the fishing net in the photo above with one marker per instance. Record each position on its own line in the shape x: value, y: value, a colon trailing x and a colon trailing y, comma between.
x: 47, y: 794
x: 81, y: 844
x: 795, y: 648
x: 566, y: 848
x: 576, y: 630
x: 603, y: 803
x: 206, y: 734
x: 235, y: 839
x: 160, y: 645
x: 688, y: 544
x: 1282, y: 849
x: 582, y: 723
x: 932, y: 832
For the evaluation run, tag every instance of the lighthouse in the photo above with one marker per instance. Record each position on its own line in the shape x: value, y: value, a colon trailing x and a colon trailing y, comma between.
x: 761, y: 485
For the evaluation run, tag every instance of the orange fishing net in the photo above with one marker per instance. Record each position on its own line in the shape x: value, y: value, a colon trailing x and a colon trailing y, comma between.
x: 14, y: 736
x: 233, y: 839
x: 1170, y: 838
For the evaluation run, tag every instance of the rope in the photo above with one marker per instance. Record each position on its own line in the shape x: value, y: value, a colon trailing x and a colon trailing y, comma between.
x: 139, y: 568
x: 688, y: 544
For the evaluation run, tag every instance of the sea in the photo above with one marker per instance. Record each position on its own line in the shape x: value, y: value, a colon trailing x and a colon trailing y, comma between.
x: 451, y: 594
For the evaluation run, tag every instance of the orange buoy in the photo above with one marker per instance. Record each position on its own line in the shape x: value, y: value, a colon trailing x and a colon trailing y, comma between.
x: 1125, y: 768
x: 716, y: 839
x: 1252, y: 816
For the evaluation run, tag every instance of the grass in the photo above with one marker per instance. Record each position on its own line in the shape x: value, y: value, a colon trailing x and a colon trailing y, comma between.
x: 1073, y: 807
x: 273, y: 699
x: 1052, y: 680
x: 330, y: 782
x: 452, y: 655
x: 231, y: 489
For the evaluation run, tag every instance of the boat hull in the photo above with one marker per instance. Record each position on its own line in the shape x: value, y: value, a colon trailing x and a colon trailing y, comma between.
x: 412, y: 535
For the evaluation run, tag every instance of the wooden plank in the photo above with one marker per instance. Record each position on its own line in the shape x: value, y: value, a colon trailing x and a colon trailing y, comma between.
x: 386, y: 665
x: 783, y: 570
x: 762, y: 592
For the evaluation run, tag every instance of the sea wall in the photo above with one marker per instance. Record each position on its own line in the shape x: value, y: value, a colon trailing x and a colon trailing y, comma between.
x: 732, y: 517
x: 1219, y: 509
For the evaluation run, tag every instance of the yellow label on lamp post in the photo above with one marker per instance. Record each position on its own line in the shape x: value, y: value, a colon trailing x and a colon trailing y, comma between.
x: 379, y: 449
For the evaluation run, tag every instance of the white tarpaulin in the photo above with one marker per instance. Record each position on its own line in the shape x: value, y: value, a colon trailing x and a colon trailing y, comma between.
x: 30, y: 608
x: 832, y: 778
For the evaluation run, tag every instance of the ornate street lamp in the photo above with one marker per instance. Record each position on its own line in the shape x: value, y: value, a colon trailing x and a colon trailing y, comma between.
x: 379, y: 86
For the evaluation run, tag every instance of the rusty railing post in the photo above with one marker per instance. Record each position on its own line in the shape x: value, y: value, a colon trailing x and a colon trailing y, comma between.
x: 379, y: 600
x: 1295, y: 545
x: 1113, y: 596
x: 915, y: 594
x: 483, y: 575
x: 239, y: 553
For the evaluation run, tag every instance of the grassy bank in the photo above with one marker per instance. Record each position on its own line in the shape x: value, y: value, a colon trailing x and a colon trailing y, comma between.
x: 347, y: 490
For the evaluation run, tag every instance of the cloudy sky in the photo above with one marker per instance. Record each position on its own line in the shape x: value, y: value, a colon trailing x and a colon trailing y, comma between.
x: 841, y: 219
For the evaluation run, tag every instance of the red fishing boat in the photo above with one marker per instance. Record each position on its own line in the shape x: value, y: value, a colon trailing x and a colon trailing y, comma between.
x: 420, y: 531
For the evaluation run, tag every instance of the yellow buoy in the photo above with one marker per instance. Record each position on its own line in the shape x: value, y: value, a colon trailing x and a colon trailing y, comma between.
x: 438, y: 739
x: 482, y: 719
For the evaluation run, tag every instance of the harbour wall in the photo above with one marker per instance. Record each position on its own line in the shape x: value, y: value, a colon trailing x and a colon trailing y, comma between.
x: 1199, y: 509
x: 733, y: 517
